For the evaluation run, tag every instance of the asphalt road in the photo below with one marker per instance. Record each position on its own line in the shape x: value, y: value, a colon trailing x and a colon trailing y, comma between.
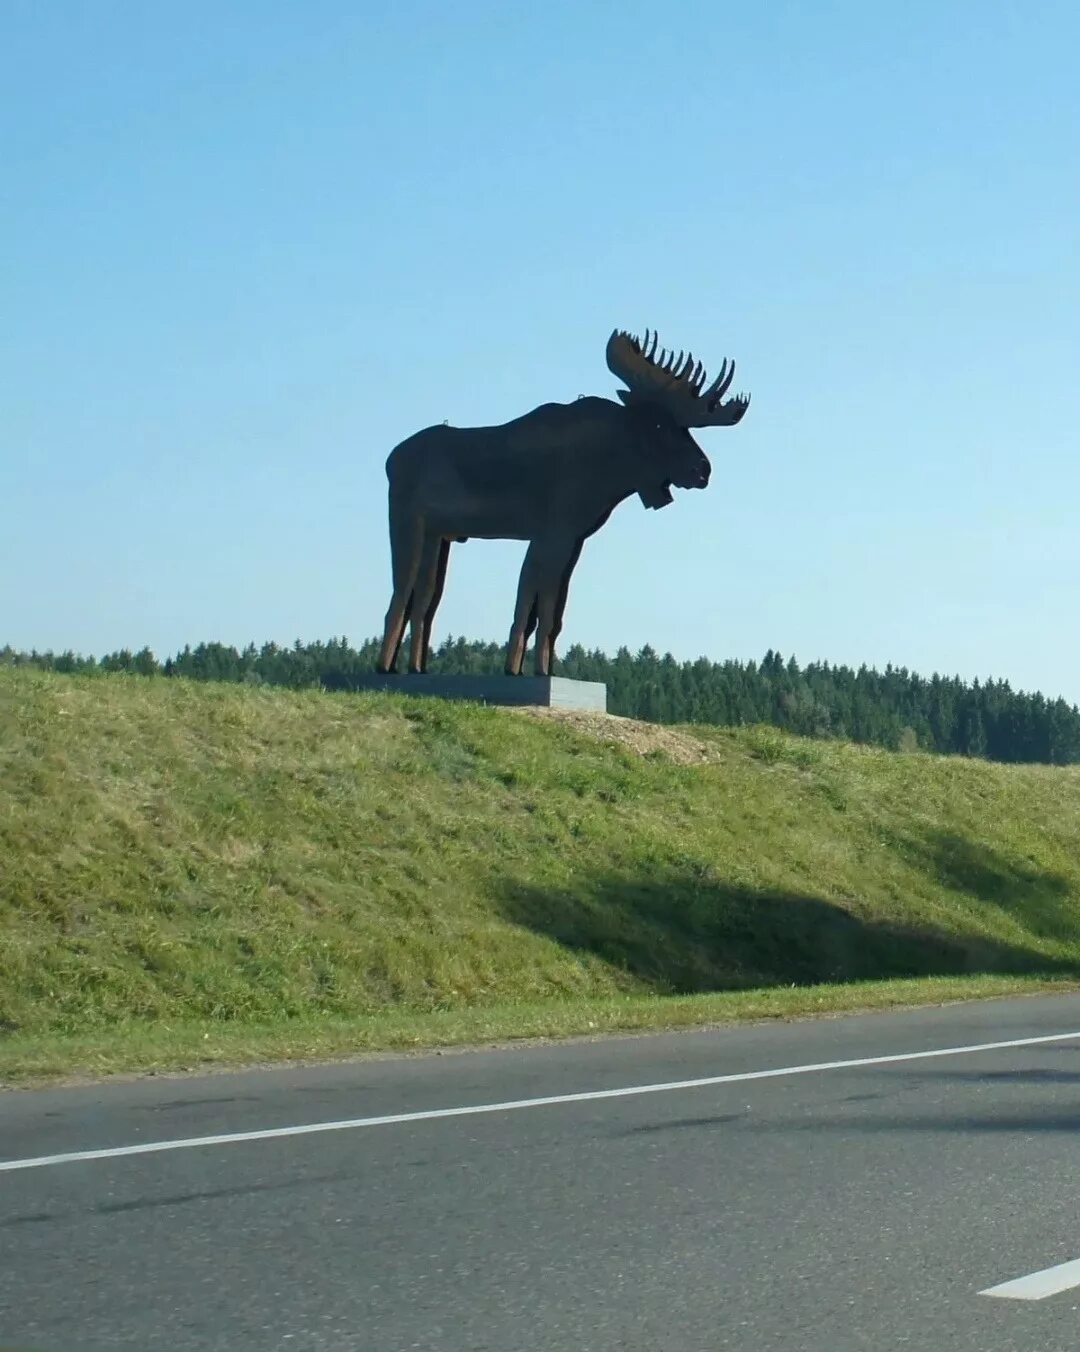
x: 853, y: 1207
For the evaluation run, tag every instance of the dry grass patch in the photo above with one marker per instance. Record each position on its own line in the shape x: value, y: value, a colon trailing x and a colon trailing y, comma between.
x: 678, y: 745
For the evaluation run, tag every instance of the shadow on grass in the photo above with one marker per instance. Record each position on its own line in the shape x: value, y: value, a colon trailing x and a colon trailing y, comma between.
x: 683, y: 935
x: 1044, y: 902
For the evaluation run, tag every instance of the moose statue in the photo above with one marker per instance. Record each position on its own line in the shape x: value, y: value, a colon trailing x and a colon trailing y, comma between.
x: 551, y: 477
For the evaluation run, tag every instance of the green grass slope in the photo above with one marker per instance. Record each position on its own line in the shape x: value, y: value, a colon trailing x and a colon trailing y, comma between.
x: 184, y: 864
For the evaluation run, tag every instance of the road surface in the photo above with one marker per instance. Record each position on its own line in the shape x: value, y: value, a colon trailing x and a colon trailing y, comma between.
x: 820, y: 1208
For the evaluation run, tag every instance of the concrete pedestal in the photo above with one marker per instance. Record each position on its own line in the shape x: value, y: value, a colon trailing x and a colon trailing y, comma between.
x: 555, y: 692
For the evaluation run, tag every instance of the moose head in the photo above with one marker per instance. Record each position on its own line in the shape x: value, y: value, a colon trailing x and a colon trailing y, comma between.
x: 666, y: 397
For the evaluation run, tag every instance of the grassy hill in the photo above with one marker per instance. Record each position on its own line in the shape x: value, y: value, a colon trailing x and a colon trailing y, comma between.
x: 191, y: 872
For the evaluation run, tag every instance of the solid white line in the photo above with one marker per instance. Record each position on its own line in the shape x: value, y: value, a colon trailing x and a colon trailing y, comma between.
x: 1039, y: 1285
x: 473, y: 1110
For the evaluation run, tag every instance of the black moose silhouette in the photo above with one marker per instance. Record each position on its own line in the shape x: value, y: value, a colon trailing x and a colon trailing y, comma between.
x: 552, y: 477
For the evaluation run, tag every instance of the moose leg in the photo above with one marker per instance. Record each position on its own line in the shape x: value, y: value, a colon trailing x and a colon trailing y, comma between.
x: 429, y: 617
x: 544, y: 650
x: 424, y: 594
x: 406, y: 541
x: 558, y: 560
x: 560, y: 604
x: 524, y: 613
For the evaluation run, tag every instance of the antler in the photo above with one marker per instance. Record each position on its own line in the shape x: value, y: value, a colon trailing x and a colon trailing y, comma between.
x: 676, y: 382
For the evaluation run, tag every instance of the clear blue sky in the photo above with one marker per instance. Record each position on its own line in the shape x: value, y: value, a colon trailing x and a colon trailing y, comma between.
x: 246, y: 248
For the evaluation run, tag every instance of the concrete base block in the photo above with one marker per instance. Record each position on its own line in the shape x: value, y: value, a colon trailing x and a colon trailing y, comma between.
x: 555, y: 692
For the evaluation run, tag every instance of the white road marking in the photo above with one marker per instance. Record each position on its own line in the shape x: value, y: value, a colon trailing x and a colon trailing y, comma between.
x: 1039, y: 1285
x: 474, y: 1110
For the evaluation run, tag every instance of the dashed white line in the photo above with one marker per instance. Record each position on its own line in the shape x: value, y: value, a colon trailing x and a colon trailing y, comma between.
x: 474, y: 1110
x: 1038, y: 1285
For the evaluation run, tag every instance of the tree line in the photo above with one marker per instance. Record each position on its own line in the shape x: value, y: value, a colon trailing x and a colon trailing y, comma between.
x: 895, y: 708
